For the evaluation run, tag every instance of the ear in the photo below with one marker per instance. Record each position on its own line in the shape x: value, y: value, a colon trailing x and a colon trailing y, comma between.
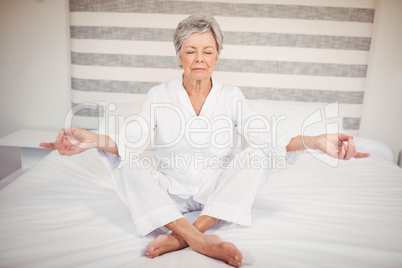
x: 178, y: 59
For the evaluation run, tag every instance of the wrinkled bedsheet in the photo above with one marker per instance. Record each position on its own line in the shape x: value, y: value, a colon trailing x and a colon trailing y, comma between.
x: 64, y: 212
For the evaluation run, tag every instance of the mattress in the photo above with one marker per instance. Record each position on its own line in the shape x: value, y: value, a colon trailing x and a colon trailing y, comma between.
x: 64, y: 212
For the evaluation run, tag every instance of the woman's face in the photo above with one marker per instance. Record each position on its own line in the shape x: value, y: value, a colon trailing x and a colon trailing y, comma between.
x: 198, y: 56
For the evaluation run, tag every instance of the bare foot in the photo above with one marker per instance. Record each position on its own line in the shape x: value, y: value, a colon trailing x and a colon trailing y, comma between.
x: 163, y: 244
x: 213, y: 247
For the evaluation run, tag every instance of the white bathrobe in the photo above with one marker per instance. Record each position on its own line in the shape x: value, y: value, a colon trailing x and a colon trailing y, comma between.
x: 198, y: 163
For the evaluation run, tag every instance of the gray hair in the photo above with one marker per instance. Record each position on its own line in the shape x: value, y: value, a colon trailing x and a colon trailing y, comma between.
x: 197, y: 23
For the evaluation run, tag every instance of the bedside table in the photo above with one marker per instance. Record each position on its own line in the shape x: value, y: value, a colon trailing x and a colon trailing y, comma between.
x: 28, y: 142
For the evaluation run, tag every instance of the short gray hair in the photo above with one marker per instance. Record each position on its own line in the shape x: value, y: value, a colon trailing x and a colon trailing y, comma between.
x: 197, y: 23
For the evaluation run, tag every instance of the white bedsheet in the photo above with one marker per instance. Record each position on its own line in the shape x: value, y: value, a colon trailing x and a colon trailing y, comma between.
x: 65, y: 213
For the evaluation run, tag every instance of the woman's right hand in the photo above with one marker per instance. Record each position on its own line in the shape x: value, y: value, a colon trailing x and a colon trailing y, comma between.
x: 71, y: 141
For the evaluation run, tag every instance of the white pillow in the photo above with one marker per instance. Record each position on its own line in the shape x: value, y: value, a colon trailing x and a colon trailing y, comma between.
x: 109, y: 124
x: 301, y: 118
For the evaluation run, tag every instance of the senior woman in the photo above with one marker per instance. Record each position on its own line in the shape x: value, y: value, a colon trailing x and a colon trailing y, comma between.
x: 192, y: 117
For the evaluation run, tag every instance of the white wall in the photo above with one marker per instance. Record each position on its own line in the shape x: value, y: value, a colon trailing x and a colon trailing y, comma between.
x: 35, y: 83
x: 34, y: 69
x: 382, y: 112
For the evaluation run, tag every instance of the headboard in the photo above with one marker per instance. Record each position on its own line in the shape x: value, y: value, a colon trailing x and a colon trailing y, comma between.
x: 283, y: 53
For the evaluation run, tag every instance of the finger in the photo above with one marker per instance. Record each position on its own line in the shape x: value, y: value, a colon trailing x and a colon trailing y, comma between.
x: 47, y: 145
x: 70, y: 135
x: 344, y: 137
x: 69, y: 147
x: 66, y: 148
x: 66, y: 152
x: 60, y: 137
x: 342, y: 152
x: 351, y: 150
x: 361, y: 155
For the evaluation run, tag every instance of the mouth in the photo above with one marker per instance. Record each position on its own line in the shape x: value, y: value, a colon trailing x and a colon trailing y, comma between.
x: 198, y: 69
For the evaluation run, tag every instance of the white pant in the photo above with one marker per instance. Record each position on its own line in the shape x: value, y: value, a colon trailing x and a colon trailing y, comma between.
x: 152, y: 207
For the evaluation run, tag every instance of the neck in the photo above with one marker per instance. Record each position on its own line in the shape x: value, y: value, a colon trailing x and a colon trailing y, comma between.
x: 197, y: 87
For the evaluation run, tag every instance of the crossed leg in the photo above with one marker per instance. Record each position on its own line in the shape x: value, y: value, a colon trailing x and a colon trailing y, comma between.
x: 185, y: 234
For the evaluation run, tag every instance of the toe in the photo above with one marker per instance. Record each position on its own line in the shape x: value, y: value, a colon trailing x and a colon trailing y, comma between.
x: 235, y: 263
x: 151, y: 252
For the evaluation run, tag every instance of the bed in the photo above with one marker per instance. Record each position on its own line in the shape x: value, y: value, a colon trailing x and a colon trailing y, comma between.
x: 318, y: 212
x: 64, y: 212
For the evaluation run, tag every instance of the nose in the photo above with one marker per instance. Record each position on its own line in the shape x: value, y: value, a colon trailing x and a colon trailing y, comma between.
x: 199, y: 57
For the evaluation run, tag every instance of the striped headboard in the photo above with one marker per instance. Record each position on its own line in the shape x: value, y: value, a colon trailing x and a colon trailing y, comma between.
x: 284, y: 51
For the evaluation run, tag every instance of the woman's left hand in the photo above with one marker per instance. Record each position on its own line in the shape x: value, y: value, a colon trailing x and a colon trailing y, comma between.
x: 338, y: 145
